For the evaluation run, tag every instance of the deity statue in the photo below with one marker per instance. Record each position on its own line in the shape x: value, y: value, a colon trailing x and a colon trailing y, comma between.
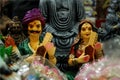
x: 62, y: 20
x: 15, y: 30
x: 111, y: 27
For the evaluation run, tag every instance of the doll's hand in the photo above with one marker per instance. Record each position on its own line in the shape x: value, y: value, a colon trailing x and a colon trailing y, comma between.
x: 98, y: 46
x: 50, y: 48
x: 83, y: 59
x: 30, y: 58
x: 9, y: 41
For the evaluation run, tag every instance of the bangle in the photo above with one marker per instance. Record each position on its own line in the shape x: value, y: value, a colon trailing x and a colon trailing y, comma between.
x: 74, y: 61
x: 71, y: 56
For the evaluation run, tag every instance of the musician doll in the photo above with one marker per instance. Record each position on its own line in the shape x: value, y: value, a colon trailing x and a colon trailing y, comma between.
x: 86, y: 48
x: 35, y: 45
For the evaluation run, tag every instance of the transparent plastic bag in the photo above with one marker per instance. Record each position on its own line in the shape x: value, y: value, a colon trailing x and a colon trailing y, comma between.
x: 40, y: 69
x: 105, y: 69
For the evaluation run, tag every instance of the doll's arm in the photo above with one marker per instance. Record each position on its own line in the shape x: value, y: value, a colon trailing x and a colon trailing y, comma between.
x: 74, y: 60
x: 48, y: 37
x: 52, y: 58
x: 50, y: 48
x: 81, y: 59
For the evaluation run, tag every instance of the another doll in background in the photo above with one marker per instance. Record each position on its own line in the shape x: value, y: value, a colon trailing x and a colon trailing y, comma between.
x: 35, y: 44
x: 86, y: 48
x: 14, y: 28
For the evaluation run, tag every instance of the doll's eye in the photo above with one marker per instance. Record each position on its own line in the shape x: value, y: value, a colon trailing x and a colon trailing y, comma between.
x: 89, y: 29
x: 83, y: 29
x: 38, y: 25
x: 31, y: 26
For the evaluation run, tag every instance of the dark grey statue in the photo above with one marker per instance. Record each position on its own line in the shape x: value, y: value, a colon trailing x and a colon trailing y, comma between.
x: 62, y: 20
x: 111, y: 27
x: 110, y: 31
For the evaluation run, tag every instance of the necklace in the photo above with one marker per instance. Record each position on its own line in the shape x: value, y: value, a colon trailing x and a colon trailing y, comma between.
x: 81, y: 47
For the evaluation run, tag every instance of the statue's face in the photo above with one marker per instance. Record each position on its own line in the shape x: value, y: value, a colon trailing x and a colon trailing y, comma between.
x: 86, y: 30
x: 15, y: 28
x: 62, y: 9
x: 63, y: 15
x: 34, y: 28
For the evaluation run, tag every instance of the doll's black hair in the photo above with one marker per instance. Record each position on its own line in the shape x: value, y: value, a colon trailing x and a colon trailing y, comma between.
x: 87, y: 21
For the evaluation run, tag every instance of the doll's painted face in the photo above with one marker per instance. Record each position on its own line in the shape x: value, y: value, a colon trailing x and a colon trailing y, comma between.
x: 15, y: 28
x: 86, y: 30
x: 34, y: 28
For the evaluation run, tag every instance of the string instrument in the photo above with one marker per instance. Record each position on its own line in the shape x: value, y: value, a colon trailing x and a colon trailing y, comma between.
x: 41, y: 49
x: 89, y: 49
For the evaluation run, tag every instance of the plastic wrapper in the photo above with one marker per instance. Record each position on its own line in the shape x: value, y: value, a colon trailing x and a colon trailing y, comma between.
x: 107, y: 68
x: 104, y: 69
x: 6, y: 73
x: 40, y: 69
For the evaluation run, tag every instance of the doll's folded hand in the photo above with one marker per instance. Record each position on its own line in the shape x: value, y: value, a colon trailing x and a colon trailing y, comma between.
x: 50, y: 48
x: 83, y: 59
